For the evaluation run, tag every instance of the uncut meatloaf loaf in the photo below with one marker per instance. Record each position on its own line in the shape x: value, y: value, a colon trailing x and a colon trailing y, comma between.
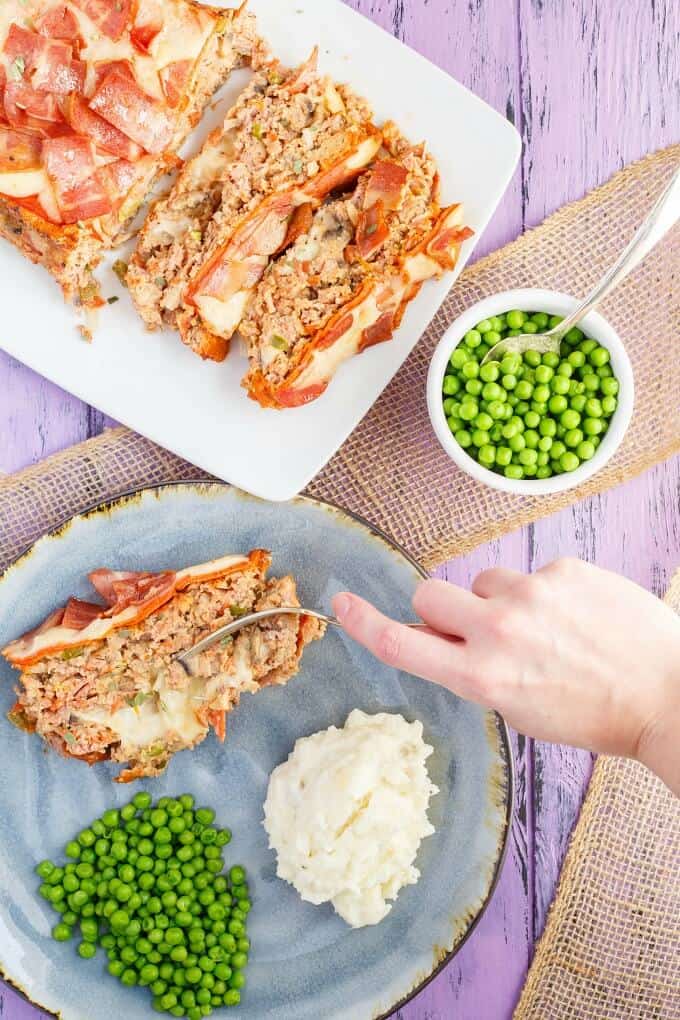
x: 291, y: 138
x: 100, y: 682
x: 96, y: 96
x: 345, y: 282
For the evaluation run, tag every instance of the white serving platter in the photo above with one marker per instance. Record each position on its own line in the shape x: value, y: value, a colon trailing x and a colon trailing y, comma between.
x: 152, y: 383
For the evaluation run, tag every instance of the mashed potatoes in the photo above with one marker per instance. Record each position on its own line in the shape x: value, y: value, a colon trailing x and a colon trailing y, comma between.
x: 347, y: 811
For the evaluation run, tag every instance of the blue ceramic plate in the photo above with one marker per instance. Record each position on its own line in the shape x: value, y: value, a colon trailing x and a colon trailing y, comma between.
x: 305, y: 962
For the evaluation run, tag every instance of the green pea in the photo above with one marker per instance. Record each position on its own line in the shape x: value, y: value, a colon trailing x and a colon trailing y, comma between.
x: 515, y: 318
x: 480, y: 437
x: 524, y: 389
x: 609, y: 386
x: 472, y: 338
x: 62, y: 932
x: 87, y: 950
x: 142, y: 800
x: 573, y: 437
x: 470, y: 370
x: 529, y: 327
x: 599, y: 356
x: 559, y: 384
x: 451, y: 385
x: 593, y: 426
x: 585, y: 450
x: 577, y: 359
x: 544, y: 471
x: 474, y: 387
x: 463, y: 438
x: 515, y: 471
x: 558, y: 404
x: 544, y: 373
x: 517, y: 443
x: 489, y: 372
x: 492, y: 391
x: 459, y: 357
x: 541, y: 394
x: 569, y: 461
x: 545, y: 443
x: 531, y: 438
x: 487, y: 457
x: 482, y: 421
x: 497, y: 410
x: 469, y: 410
x: 578, y: 403
x: 72, y: 849
x: 609, y: 405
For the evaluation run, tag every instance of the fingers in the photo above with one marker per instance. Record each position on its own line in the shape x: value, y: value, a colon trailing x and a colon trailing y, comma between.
x: 449, y: 609
x: 416, y: 651
x: 494, y: 582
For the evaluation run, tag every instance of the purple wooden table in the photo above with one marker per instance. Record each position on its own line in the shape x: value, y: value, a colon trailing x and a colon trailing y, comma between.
x: 591, y: 85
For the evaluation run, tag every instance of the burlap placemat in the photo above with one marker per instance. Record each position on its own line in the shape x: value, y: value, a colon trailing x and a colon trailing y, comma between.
x: 611, y: 947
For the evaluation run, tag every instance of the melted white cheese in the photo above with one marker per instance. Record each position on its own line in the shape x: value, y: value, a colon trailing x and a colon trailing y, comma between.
x: 156, y: 719
x: 222, y: 317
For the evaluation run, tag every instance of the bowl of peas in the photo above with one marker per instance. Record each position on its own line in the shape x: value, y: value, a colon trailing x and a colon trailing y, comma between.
x: 531, y: 423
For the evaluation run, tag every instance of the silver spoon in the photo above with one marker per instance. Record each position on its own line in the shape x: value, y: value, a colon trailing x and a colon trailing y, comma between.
x: 663, y: 216
x: 244, y: 621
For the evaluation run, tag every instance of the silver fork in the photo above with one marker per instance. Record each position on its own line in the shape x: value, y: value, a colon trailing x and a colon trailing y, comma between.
x: 244, y: 621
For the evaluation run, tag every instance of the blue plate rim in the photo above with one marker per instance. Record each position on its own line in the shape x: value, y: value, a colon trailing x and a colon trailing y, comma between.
x: 108, y: 504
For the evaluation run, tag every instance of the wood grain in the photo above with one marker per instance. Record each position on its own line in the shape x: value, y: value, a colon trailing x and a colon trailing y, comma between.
x: 591, y: 85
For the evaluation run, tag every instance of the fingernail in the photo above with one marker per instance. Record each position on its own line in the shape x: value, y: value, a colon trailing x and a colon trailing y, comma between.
x: 341, y: 605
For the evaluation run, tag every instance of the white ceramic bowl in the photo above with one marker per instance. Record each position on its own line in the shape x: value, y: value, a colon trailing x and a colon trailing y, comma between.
x: 536, y: 300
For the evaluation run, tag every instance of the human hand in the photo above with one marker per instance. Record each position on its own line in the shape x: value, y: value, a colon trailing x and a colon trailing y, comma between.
x: 572, y: 654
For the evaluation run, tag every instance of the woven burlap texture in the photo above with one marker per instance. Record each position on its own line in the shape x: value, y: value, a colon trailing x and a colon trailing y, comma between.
x: 611, y: 947
x: 391, y: 470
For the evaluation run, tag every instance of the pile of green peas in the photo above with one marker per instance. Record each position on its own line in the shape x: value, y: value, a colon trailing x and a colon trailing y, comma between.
x: 144, y: 883
x: 529, y: 415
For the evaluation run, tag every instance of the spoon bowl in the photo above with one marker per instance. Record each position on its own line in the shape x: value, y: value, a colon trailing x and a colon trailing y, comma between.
x: 663, y: 215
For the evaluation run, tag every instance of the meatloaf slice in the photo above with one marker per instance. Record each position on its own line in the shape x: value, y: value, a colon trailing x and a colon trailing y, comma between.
x: 100, y: 681
x: 95, y: 100
x: 343, y: 285
x: 291, y: 137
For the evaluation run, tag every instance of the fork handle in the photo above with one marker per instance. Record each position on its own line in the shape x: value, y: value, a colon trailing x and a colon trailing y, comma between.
x: 664, y: 214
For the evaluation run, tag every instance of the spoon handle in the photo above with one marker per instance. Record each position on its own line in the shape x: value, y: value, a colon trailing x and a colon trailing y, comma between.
x: 245, y: 621
x: 663, y: 216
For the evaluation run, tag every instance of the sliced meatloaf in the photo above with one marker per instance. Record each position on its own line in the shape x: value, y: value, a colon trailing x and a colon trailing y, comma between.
x: 95, y: 99
x: 292, y: 136
x: 344, y: 283
x: 100, y: 681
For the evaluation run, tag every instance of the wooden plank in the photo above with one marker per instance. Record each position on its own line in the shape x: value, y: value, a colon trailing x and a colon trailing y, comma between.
x: 36, y: 417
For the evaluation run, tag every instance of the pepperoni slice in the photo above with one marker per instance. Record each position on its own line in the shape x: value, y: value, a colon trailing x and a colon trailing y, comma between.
x: 71, y: 168
x: 19, y: 150
x: 174, y: 78
x: 85, y: 122
x: 47, y: 65
x: 385, y: 183
x: 119, y: 100
x: 372, y: 229
x: 78, y: 614
x: 22, y: 101
x: 59, y: 23
x: 111, y: 16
